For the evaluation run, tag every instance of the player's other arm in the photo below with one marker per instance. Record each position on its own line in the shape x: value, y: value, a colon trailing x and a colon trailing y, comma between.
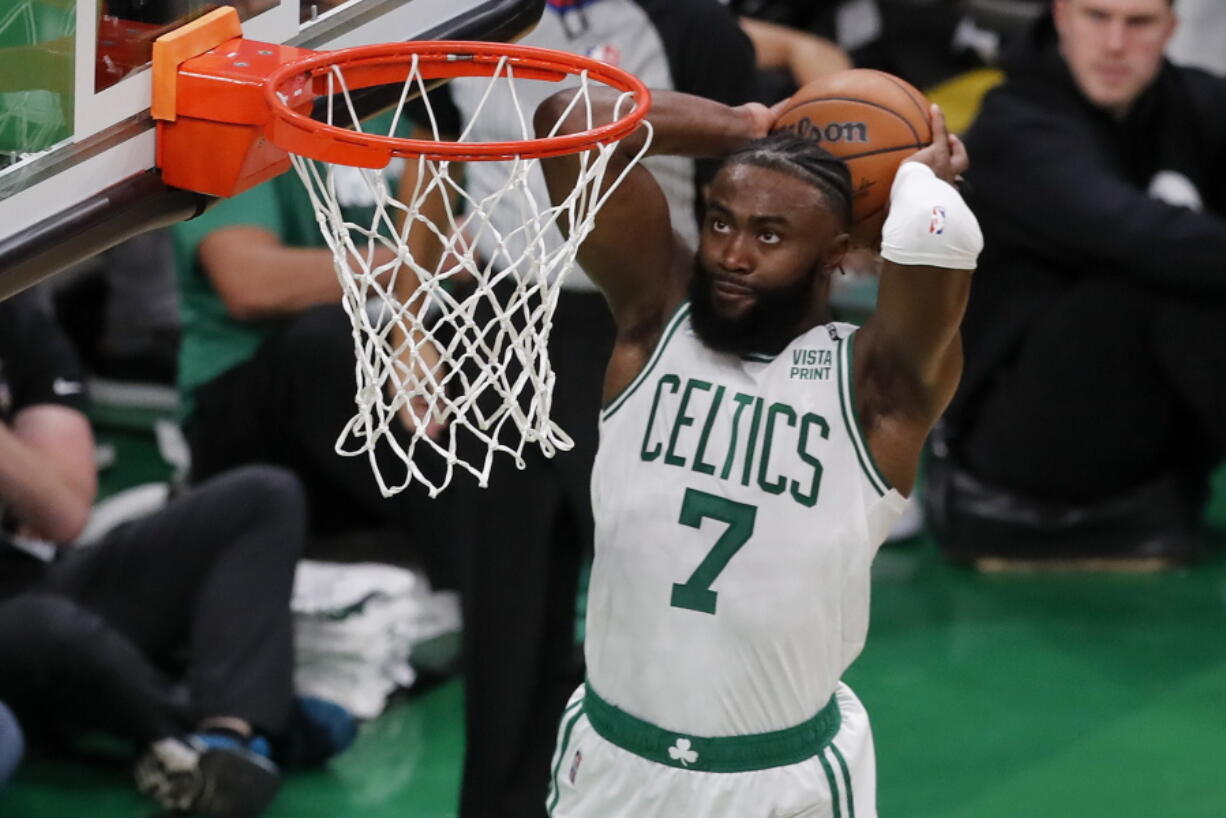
x: 908, y: 356
x: 632, y: 254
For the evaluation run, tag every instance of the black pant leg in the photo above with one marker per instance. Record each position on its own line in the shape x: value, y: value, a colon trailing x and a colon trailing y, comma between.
x: 1190, y: 343
x: 66, y: 670
x: 1086, y: 410
x: 518, y: 597
x: 211, y: 574
x: 526, y: 536
x: 288, y: 405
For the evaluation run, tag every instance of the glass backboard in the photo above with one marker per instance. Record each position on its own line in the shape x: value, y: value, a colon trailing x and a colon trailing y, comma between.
x: 76, y: 140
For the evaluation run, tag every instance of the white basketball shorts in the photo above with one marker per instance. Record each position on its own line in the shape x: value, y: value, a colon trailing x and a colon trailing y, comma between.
x: 829, y: 769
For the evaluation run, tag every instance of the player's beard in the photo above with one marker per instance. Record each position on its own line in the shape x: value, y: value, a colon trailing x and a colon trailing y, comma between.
x: 774, y: 320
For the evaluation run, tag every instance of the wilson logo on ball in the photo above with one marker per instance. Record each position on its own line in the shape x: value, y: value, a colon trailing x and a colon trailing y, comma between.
x: 830, y: 131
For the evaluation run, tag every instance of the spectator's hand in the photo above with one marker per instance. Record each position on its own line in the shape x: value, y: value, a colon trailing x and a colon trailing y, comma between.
x: 946, y: 155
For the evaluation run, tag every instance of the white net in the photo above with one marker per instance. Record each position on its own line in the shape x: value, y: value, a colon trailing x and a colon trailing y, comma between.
x: 451, y: 345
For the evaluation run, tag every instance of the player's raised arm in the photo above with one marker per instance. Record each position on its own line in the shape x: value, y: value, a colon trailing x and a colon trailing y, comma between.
x: 909, y: 356
x: 633, y: 254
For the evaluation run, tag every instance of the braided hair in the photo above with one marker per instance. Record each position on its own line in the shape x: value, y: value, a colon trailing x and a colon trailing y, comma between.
x: 804, y: 159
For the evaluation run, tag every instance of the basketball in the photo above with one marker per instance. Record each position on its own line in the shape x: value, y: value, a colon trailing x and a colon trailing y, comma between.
x: 871, y: 120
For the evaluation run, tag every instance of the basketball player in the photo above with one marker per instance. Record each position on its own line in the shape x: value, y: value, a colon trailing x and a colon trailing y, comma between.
x: 752, y: 457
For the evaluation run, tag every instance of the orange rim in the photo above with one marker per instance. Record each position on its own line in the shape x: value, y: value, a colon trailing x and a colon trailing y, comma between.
x: 293, y: 88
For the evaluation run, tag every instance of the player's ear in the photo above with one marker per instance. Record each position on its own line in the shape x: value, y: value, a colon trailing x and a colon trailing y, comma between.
x: 836, y: 253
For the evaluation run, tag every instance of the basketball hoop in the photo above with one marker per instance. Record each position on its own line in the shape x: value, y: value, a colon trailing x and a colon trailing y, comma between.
x: 423, y: 358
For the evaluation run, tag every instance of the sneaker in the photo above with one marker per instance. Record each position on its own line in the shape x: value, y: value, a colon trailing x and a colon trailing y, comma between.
x: 318, y: 730
x: 206, y: 775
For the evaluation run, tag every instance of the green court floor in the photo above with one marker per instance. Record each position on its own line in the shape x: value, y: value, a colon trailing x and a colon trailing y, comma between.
x: 1094, y: 696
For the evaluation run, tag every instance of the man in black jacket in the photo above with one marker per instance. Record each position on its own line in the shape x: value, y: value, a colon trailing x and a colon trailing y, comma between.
x: 1096, y: 333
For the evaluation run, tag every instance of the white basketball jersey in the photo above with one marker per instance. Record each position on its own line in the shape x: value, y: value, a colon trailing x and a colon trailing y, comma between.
x: 737, y: 513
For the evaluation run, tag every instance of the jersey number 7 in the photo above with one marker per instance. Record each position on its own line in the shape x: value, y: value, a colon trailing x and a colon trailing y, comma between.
x: 695, y: 593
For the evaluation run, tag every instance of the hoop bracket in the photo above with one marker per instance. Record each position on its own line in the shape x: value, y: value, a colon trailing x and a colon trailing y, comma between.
x: 208, y: 100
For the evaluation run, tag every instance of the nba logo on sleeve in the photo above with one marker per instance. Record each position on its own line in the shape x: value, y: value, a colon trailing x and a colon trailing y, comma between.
x: 606, y: 53
x: 937, y: 225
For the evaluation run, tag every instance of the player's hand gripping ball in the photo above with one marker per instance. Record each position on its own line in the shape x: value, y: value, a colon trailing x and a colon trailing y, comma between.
x: 872, y: 121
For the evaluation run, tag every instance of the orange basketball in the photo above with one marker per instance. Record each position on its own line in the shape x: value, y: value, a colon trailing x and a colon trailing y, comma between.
x: 871, y: 120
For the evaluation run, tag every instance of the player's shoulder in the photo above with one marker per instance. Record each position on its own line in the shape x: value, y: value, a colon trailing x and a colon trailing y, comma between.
x: 665, y: 323
x: 640, y: 346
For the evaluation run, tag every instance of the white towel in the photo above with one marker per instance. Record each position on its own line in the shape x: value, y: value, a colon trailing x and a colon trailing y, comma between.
x: 355, y: 627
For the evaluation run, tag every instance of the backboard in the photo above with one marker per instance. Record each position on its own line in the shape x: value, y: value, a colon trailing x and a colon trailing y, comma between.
x: 76, y: 140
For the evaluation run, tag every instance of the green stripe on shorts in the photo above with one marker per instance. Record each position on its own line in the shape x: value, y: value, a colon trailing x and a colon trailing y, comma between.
x: 562, y: 747
x: 834, y: 785
x: 851, y: 801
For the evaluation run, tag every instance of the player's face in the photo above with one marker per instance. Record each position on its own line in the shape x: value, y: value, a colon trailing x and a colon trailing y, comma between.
x: 1114, y: 47
x: 768, y: 244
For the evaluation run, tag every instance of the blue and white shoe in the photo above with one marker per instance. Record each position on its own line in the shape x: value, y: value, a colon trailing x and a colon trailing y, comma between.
x: 209, y: 775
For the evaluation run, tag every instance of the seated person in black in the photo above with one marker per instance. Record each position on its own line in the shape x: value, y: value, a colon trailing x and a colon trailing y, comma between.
x: 1091, y: 408
x: 174, y: 630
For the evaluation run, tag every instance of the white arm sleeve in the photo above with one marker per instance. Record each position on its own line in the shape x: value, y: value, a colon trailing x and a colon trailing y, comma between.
x: 929, y: 223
